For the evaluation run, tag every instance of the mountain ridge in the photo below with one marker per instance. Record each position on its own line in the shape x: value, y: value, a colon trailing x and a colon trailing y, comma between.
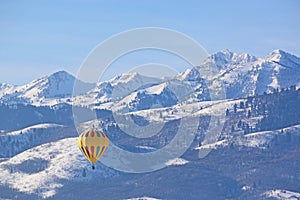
x: 260, y: 135
x: 242, y: 75
x: 55, y: 86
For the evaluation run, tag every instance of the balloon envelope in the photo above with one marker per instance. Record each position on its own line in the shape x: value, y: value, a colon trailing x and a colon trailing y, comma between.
x: 93, y: 144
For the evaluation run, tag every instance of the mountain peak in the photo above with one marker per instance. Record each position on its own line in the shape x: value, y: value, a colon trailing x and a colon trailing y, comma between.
x: 284, y: 58
x: 277, y: 54
x: 278, y: 51
x: 225, y: 51
x: 55, y: 86
x: 125, y: 77
x: 62, y: 74
x: 225, y: 58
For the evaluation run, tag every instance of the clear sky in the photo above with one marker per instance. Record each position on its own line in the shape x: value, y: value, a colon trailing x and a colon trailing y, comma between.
x: 41, y: 37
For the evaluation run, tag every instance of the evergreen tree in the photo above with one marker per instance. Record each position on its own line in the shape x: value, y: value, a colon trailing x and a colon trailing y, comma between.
x: 293, y: 88
x: 249, y: 114
x: 242, y: 105
x: 246, y: 128
x: 227, y: 112
x: 235, y: 108
x: 239, y: 124
x: 254, y: 185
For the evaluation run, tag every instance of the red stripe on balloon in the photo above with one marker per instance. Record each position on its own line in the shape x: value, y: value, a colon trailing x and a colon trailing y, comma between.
x: 92, y: 133
x: 87, y: 151
x: 93, y: 150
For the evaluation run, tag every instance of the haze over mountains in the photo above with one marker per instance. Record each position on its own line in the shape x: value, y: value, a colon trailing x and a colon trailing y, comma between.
x: 256, y: 156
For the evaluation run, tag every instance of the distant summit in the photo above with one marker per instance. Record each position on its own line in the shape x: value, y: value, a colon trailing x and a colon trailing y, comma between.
x: 284, y: 59
x: 55, y: 86
x: 242, y: 75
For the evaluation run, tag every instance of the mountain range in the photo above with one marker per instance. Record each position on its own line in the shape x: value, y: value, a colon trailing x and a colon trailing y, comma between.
x: 242, y: 75
x: 256, y: 155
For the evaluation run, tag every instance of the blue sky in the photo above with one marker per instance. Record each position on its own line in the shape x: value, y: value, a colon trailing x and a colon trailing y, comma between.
x: 41, y: 37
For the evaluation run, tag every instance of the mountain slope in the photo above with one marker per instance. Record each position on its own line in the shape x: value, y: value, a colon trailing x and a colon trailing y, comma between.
x: 15, y: 142
x: 245, y: 75
x: 242, y: 75
x: 42, y: 169
x: 56, y: 86
x: 244, y: 163
x: 115, y: 89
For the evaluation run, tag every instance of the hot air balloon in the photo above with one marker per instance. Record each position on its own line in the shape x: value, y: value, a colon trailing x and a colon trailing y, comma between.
x: 93, y: 145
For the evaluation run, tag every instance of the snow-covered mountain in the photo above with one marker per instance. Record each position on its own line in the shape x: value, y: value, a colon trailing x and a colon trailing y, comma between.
x: 39, y: 157
x: 281, y: 195
x: 57, y: 86
x: 57, y: 170
x: 284, y: 59
x: 278, y: 70
x: 42, y: 169
x: 245, y: 75
x: 226, y: 60
x: 21, y: 140
x: 115, y: 88
x: 161, y: 95
x: 235, y: 70
x: 4, y: 87
x: 242, y: 75
x: 260, y: 140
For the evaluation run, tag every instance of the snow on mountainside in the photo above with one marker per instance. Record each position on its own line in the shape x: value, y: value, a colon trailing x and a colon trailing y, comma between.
x: 177, y: 161
x: 265, y: 75
x: 279, y: 70
x: 230, y: 67
x: 226, y: 60
x: 143, y: 198
x: 157, y: 96
x: 42, y: 169
x: 44, y: 161
x: 4, y: 88
x: 242, y: 74
x: 56, y: 86
x: 56, y: 169
x: 254, y: 140
x: 285, y: 59
x: 115, y: 88
x: 282, y: 195
x: 18, y: 141
x: 245, y: 75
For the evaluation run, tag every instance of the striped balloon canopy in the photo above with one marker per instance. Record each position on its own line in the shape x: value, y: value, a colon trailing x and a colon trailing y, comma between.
x: 93, y: 145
